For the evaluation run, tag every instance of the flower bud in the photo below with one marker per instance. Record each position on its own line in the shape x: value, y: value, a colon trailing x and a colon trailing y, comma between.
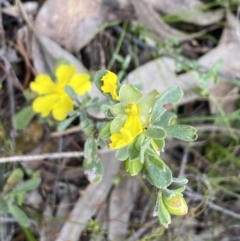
x: 176, y: 205
x: 133, y: 167
x: 15, y: 177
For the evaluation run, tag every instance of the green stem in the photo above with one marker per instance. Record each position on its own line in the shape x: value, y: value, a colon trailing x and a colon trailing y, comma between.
x: 119, y: 44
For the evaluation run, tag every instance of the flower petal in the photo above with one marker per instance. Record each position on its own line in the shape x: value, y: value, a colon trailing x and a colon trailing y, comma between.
x: 122, y: 139
x: 110, y: 84
x: 63, y: 106
x: 81, y: 83
x: 42, y: 84
x: 134, y: 125
x: 64, y: 73
x: 44, y: 104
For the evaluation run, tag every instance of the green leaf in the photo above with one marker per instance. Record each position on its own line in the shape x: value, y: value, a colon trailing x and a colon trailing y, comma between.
x: 23, y: 118
x: 93, y: 169
x: 163, y: 214
x: 72, y: 94
x: 139, y: 141
x: 180, y: 180
x: 156, y: 174
x: 92, y: 165
x: 155, y: 132
x: 97, y: 78
x: 101, y: 143
x: 144, y: 147
x: 182, y: 132
x: 155, y: 158
x: 145, y: 105
x: 170, y: 193
x: 165, y: 119
x: 28, y: 234
x: 28, y: 185
x: 29, y: 95
x: 3, y: 206
x: 166, y: 101
x: 133, y: 167
x: 105, y: 131
x: 160, y: 144
x: 19, y: 215
x: 206, y: 77
x: 64, y: 124
x: 133, y: 152
x: 117, y: 109
x: 20, y: 196
x: 86, y: 99
x: 87, y: 125
x: 87, y: 147
x: 122, y: 154
x: 129, y: 94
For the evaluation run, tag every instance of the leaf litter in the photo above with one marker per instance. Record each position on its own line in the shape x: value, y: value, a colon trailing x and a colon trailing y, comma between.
x: 61, y: 31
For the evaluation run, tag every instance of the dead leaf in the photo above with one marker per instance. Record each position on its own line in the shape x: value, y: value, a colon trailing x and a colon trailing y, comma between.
x: 29, y: 7
x: 46, y: 53
x: 87, y: 205
x: 120, y: 207
x: 160, y: 73
x: 153, y: 21
x: 230, y: 32
x: 188, y: 11
x: 71, y: 24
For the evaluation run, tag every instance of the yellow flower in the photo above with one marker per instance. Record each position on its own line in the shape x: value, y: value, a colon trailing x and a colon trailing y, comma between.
x: 132, y: 114
x: 131, y: 129
x: 110, y: 84
x: 53, y: 97
x: 121, y: 139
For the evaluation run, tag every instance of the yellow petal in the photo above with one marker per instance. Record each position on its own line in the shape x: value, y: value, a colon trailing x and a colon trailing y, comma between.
x: 62, y: 107
x: 134, y: 125
x: 110, y: 84
x: 122, y: 139
x: 81, y: 83
x: 64, y: 73
x: 42, y: 84
x: 44, y: 104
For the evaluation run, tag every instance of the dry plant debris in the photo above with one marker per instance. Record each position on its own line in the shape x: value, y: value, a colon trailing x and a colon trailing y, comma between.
x: 150, y: 51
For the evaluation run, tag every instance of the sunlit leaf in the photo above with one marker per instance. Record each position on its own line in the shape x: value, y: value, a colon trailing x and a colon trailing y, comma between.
x: 165, y: 102
x: 182, y: 132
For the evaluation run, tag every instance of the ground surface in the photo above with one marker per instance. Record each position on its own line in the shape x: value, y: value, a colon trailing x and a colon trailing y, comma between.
x: 153, y: 44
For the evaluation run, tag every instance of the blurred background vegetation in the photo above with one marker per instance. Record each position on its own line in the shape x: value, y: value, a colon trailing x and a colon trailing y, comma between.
x: 193, y: 44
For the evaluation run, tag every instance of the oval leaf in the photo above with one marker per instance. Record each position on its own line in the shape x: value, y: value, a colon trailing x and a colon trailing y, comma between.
x: 19, y: 215
x: 29, y: 185
x: 93, y: 169
x: 155, y: 132
x: 163, y: 214
x: 23, y: 118
x: 122, y: 154
x: 182, y: 132
x: 157, y: 172
x: 165, y: 102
